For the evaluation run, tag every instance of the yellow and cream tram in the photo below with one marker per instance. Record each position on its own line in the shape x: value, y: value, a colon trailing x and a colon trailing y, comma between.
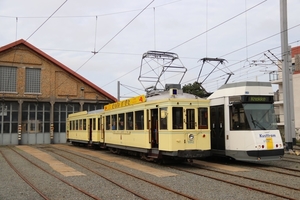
x: 170, y: 124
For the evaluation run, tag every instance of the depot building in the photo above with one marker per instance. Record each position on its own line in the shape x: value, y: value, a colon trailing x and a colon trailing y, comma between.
x: 37, y: 93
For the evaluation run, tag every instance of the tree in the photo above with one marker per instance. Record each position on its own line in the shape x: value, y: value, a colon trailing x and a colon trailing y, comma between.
x: 195, y: 89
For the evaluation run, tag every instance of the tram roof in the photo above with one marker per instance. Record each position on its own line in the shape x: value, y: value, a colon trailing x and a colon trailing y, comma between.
x: 244, y: 88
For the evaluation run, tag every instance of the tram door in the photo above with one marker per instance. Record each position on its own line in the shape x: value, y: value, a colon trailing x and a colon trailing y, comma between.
x: 154, y: 127
x: 217, y: 127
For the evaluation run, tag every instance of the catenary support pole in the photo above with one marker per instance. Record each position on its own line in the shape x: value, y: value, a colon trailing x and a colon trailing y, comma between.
x: 286, y: 71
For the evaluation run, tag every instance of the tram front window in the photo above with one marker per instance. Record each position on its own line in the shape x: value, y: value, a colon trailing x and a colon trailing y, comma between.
x: 260, y: 116
x: 253, y: 117
x: 177, y: 117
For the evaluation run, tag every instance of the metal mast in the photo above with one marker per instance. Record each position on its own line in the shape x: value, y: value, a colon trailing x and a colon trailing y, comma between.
x: 289, y: 119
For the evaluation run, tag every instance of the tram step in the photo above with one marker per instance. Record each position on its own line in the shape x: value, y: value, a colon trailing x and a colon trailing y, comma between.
x: 153, y: 156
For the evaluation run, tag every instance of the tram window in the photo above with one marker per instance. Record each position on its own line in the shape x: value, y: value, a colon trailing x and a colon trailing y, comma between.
x: 120, y: 121
x: 114, y: 122
x: 80, y: 124
x: 238, y: 118
x: 76, y: 124
x: 129, y: 121
x: 202, y: 118
x: 177, y: 117
x: 107, y: 122
x: 84, y: 124
x: 99, y: 124
x: 190, y: 118
x: 94, y: 123
x: 163, y: 118
x: 139, y: 120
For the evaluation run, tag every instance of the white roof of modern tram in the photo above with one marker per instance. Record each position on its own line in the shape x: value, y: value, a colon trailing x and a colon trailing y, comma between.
x: 243, y: 88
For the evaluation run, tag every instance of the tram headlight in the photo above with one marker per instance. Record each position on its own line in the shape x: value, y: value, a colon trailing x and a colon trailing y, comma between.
x: 191, y: 137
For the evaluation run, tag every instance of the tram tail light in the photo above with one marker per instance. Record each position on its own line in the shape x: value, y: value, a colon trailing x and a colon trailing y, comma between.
x: 203, y: 135
x: 262, y: 146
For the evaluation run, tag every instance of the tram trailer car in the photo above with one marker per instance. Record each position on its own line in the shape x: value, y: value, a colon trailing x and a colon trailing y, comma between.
x: 243, y: 123
x: 171, y: 124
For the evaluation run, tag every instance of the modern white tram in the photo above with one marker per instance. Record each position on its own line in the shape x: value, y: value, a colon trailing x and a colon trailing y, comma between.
x: 243, y: 122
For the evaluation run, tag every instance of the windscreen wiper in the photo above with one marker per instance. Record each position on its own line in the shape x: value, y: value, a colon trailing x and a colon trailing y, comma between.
x: 256, y: 123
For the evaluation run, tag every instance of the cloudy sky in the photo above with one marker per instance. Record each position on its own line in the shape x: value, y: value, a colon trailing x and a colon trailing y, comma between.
x: 246, y: 33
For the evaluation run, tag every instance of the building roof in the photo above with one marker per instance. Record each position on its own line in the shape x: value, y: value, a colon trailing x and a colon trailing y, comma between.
x: 295, y: 51
x: 59, y: 64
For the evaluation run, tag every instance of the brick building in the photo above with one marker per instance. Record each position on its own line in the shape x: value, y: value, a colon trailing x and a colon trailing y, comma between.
x: 37, y: 93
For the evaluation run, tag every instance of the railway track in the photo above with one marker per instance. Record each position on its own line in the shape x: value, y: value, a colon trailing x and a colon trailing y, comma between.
x: 24, y: 177
x: 292, y: 160
x: 280, y: 172
x: 162, y: 187
x: 36, y: 187
x: 247, y: 186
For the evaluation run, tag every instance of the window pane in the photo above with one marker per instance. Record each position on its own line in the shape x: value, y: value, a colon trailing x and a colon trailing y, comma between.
x: 129, y: 121
x: 177, y: 117
x: 139, y: 120
x: 202, y: 118
x: 14, y: 116
x: 163, y: 118
x: 40, y: 116
x: 33, y: 80
x: 80, y: 124
x: 5, y: 127
x: 107, y: 122
x: 46, y: 127
x: 190, y: 118
x: 62, y: 127
x: 56, y: 126
x: 8, y: 80
x: 121, y: 122
x: 63, y: 116
x: 114, y: 122
x: 47, y: 116
x: 15, y: 106
x: 84, y: 124
x: 99, y: 124
x: 14, y: 127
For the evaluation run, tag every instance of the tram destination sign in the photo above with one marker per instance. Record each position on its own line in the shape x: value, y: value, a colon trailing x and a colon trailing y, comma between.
x: 124, y: 103
x: 257, y: 99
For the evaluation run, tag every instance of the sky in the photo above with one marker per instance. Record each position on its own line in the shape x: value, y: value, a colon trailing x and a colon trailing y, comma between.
x: 104, y: 41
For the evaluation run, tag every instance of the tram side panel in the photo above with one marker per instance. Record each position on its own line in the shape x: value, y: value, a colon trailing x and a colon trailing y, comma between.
x: 132, y: 138
x: 136, y: 136
x: 190, y: 135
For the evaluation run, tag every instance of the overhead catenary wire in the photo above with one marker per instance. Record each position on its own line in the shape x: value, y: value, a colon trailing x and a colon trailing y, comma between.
x: 231, y: 18
x: 115, y: 35
x: 46, y: 20
x: 138, y: 54
x: 110, y: 40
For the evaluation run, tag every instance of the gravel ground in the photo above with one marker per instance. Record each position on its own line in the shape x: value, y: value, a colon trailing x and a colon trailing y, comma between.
x: 200, y: 187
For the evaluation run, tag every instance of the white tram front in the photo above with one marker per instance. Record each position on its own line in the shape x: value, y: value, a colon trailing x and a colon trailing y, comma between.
x: 243, y: 122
